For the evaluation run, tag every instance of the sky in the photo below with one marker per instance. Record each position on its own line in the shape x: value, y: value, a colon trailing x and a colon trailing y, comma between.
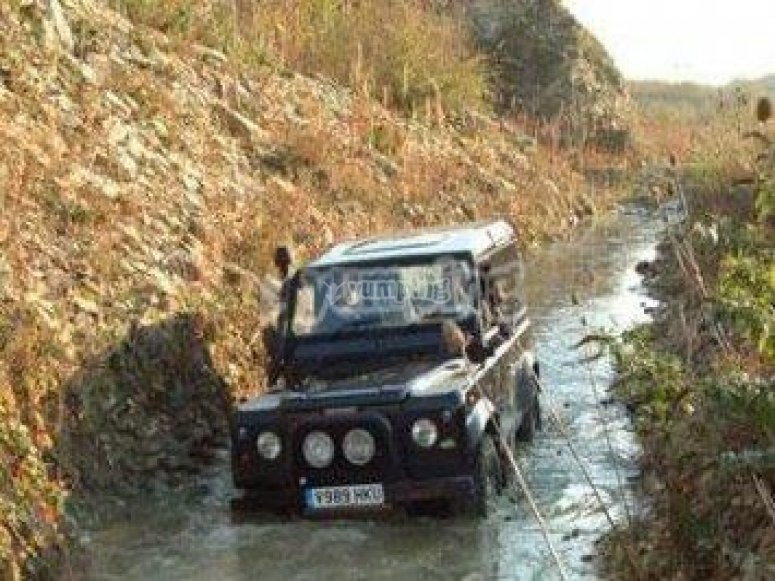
x: 706, y: 41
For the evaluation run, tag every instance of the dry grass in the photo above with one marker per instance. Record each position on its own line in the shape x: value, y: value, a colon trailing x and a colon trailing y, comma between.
x: 405, y: 54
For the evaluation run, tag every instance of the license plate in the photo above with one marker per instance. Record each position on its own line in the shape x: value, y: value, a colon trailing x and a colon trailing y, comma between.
x: 360, y: 495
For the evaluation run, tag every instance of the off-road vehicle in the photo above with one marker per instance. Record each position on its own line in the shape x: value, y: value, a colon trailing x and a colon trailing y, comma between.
x: 399, y: 363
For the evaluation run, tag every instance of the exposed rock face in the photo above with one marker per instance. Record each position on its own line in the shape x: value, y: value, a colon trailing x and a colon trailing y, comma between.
x: 153, y: 404
x: 551, y: 68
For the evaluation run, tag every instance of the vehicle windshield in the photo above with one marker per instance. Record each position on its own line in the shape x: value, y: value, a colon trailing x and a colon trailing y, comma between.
x: 340, y: 299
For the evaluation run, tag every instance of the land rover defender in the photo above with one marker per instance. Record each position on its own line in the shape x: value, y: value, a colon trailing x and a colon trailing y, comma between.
x: 401, y: 367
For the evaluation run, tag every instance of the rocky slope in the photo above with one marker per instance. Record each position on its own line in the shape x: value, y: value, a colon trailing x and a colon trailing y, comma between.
x: 143, y: 183
x: 549, y: 67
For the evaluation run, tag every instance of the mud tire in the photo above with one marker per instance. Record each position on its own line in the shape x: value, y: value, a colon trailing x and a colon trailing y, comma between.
x: 488, y: 478
x: 530, y: 424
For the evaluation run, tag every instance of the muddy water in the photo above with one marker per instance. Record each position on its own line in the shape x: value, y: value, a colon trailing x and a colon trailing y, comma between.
x: 575, y: 288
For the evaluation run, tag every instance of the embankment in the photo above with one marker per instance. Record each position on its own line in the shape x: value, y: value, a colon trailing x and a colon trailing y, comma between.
x: 700, y: 379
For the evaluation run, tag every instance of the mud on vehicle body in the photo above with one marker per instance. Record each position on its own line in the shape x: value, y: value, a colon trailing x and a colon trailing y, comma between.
x: 398, y: 361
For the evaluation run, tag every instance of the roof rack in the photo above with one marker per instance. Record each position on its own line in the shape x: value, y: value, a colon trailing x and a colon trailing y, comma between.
x: 474, y: 239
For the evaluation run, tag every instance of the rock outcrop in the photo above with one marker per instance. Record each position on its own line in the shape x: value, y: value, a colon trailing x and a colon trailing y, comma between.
x: 549, y: 67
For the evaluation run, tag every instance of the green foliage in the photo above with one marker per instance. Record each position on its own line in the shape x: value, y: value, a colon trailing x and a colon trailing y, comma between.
x: 765, y: 199
x: 746, y: 281
x: 735, y: 399
x: 700, y: 376
x: 656, y: 380
x: 747, y: 297
x: 535, y: 47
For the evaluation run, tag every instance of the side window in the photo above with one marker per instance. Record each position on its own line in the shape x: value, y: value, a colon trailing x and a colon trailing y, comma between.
x: 505, y: 280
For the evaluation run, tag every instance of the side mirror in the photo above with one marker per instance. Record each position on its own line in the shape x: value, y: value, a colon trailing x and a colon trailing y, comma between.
x: 283, y: 260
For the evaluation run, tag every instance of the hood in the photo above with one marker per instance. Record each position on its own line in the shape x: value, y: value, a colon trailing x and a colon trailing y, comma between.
x: 392, y: 384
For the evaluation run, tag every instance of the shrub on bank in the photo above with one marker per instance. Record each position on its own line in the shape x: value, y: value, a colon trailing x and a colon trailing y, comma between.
x: 700, y: 380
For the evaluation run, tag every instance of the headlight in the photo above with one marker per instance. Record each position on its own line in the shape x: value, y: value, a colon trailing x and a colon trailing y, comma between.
x: 359, y: 447
x: 425, y: 433
x: 318, y: 449
x: 269, y: 445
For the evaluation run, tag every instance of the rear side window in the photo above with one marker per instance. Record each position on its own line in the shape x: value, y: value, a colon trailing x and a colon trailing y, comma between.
x: 504, y: 284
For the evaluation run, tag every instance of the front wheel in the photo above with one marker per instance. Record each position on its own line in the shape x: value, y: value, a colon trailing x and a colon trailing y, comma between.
x: 488, y: 478
x: 531, y: 422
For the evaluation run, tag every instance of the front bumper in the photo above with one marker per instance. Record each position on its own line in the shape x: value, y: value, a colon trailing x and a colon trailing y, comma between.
x: 445, y: 488
x: 397, y: 494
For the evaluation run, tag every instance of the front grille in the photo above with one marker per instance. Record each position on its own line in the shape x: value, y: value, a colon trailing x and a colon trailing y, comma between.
x: 382, y: 468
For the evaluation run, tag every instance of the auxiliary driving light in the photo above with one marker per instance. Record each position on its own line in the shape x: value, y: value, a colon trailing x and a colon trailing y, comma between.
x: 425, y: 433
x: 318, y: 449
x: 269, y: 445
x: 358, y: 447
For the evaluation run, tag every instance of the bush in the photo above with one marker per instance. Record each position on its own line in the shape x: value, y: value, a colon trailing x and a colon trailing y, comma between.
x: 700, y: 376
